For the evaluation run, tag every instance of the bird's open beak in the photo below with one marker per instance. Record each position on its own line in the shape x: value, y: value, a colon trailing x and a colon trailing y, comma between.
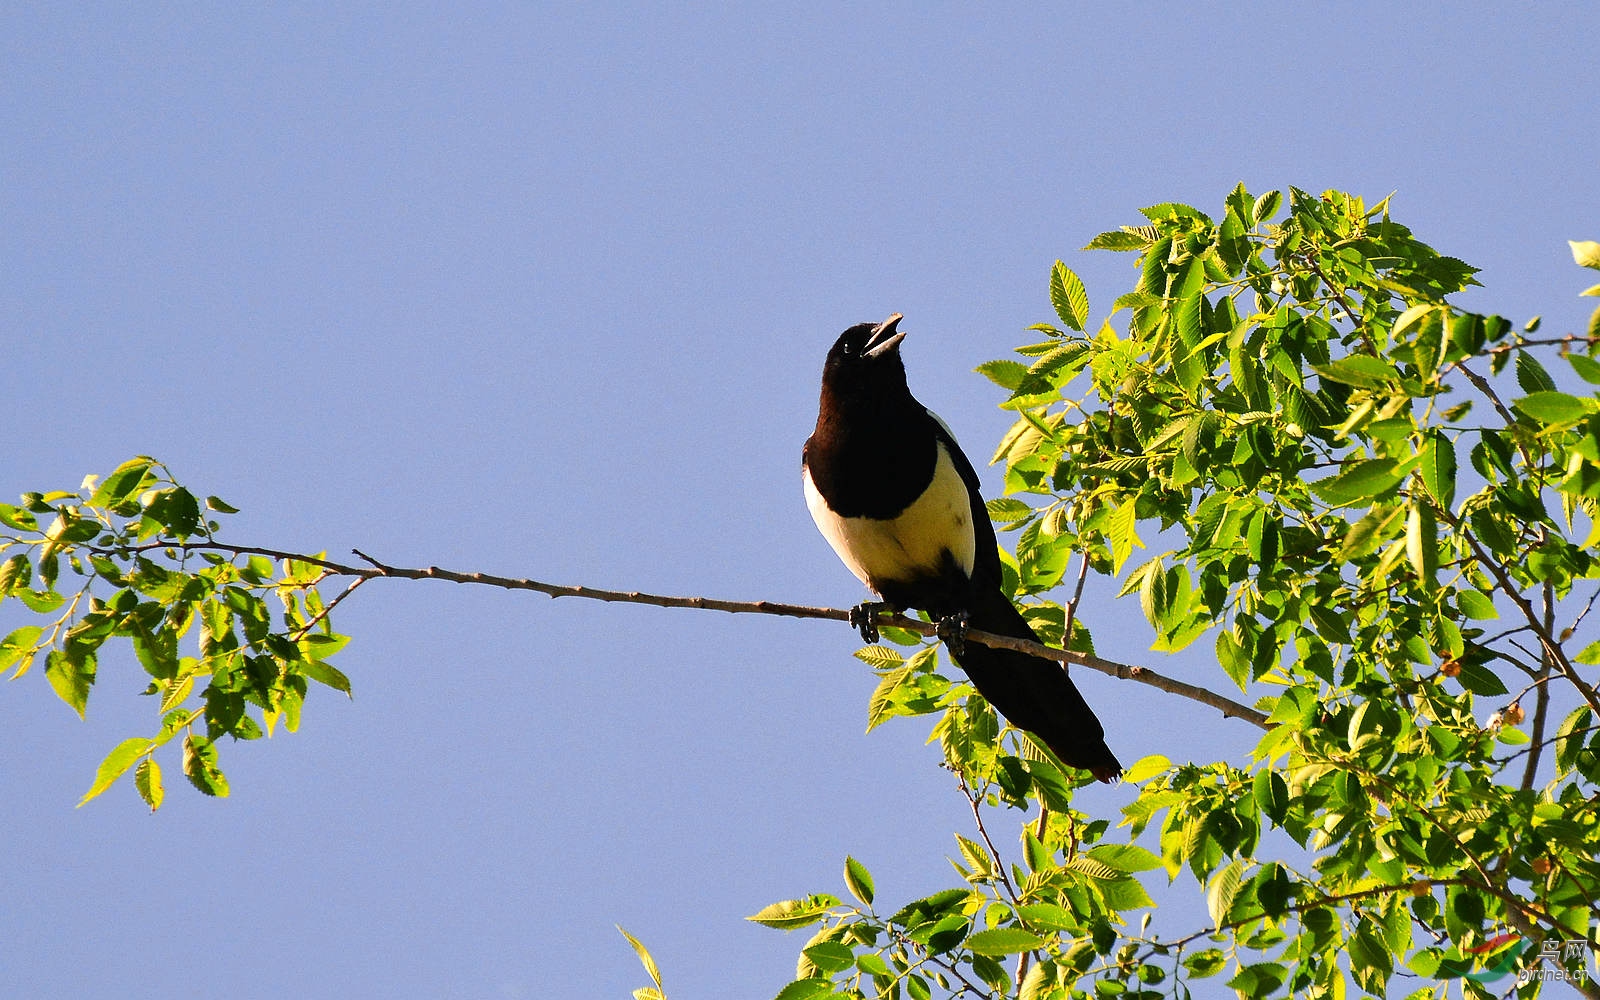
x: 884, y: 337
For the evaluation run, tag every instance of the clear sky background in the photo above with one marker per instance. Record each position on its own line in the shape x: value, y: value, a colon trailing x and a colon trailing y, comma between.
x: 545, y: 292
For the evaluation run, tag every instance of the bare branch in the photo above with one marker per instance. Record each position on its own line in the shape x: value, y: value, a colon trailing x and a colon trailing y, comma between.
x: 379, y: 570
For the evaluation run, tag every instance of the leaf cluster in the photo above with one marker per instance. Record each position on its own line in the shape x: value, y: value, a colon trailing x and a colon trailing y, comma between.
x: 1382, y: 510
x: 228, y: 642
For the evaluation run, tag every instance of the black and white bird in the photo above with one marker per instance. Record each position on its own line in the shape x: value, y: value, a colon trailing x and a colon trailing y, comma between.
x: 893, y: 494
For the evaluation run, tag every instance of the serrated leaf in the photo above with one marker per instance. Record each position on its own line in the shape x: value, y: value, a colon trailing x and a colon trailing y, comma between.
x: 1008, y: 510
x: 1222, y: 890
x: 1358, y: 481
x: 789, y: 914
x: 1120, y: 533
x: 1531, y: 375
x: 1480, y: 680
x: 1048, y: 916
x: 1146, y: 768
x: 997, y: 941
x: 1359, y: 370
x: 1005, y: 373
x: 1587, y: 368
x: 123, y: 484
x: 1068, y: 296
x: 881, y: 706
x: 858, y: 879
x: 1570, y: 739
x: 1372, y: 530
x: 1438, y: 468
x: 644, y: 957
x: 324, y: 673
x: 16, y: 644
x: 1476, y: 605
x: 115, y: 765
x: 1554, y: 408
x: 1586, y: 253
x: 1121, y: 239
x: 879, y: 657
x: 71, y: 677
x: 147, y: 779
x: 200, y: 766
x: 1266, y: 206
x: 1231, y: 657
x: 1126, y: 858
x: 1422, y: 542
x: 805, y: 989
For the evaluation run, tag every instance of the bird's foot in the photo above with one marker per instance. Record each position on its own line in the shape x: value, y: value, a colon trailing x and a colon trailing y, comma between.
x: 864, y: 618
x: 953, y: 633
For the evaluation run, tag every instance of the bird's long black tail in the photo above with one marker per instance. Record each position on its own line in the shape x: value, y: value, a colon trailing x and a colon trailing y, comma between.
x: 1032, y: 693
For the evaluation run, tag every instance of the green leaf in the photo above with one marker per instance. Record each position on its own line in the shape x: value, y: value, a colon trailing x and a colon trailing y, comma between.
x: 71, y: 675
x: 1068, y: 296
x: 1570, y: 739
x: 1120, y: 532
x: 1005, y: 373
x: 1267, y: 206
x: 1004, y: 941
x: 1233, y: 659
x: 124, y: 484
x: 1358, y: 481
x: 1438, y: 468
x: 13, y: 571
x: 41, y: 602
x: 1586, y: 253
x: 1125, y: 858
x: 1476, y: 605
x: 806, y: 989
x: 1422, y: 542
x: 644, y: 957
x: 1048, y: 916
x: 1120, y: 239
x: 217, y: 504
x: 883, y: 706
x: 324, y: 673
x: 1008, y: 510
x: 1205, y: 963
x: 830, y: 956
x: 1587, y: 368
x: 1480, y: 680
x: 858, y: 879
x: 17, y: 644
x: 1359, y: 370
x: 1553, y: 408
x: 147, y: 779
x: 1531, y: 375
x: 1222, y: 890
x: 200, y: 766
x: 1146, y: 768
x: 116, y: 765
x: 18, y: 518
x: 789, y: 914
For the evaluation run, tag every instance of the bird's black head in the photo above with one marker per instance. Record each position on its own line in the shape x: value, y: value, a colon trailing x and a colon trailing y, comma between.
x: 865, y: 357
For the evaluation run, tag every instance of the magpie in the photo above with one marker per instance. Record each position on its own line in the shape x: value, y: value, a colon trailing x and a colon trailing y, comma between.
x: 897, y: 499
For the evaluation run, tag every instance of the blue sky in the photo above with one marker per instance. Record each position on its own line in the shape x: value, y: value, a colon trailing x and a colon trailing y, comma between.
x: 545, y: 292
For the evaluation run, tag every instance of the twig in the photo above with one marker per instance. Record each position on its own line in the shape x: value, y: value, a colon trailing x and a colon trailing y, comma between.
x: 376, y: 570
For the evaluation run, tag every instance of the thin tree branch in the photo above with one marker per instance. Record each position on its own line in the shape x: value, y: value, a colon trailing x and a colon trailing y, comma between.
x: 380, y: 570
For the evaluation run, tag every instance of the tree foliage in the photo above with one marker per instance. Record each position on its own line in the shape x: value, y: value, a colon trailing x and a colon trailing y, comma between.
x: 1378, y: 507
x: 1391, y: 557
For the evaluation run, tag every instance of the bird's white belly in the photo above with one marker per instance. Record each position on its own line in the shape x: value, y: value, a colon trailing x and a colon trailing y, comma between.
x: 911, y: 545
